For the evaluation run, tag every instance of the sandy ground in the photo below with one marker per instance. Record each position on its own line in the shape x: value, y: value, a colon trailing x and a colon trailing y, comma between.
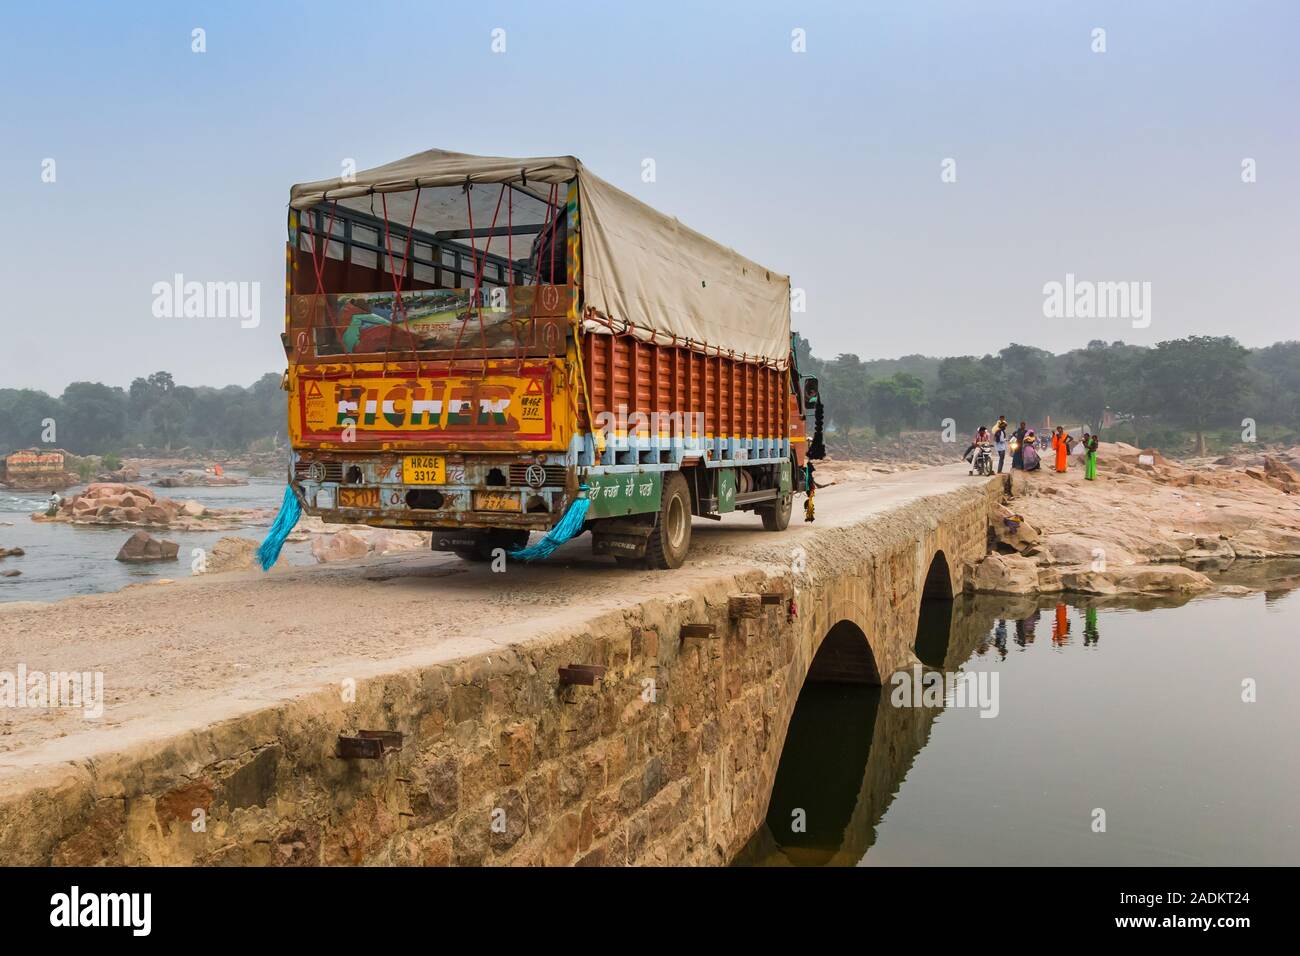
x: 180, y: 655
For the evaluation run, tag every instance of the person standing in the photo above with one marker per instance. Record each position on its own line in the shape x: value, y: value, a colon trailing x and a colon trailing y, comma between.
x: 1090, y: 443
x: 1061, y: 447
x: 1029, y: 457
x: 1018, y: 456
x: 1000, y: 441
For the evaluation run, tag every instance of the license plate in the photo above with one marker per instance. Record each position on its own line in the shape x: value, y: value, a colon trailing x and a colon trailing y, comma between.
x: 358, y: 497
x: 495, y: 501
x: 424, y: 470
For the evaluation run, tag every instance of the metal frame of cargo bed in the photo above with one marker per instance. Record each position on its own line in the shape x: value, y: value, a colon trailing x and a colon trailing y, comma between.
x: 313, y: 222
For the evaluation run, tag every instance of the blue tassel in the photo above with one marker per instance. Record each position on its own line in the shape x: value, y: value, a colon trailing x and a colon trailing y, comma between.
x: 290, y: 511
x: 570, y: 525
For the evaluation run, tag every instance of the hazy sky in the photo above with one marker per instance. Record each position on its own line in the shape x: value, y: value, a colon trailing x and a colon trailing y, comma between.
x: 1124, y: 165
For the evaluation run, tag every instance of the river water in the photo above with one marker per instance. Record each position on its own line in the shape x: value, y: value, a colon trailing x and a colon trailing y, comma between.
x: 1120, y: 737
x: 62, y: 560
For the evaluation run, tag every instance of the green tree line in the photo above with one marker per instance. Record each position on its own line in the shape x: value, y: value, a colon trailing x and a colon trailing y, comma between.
x: 153, y: 413
x: 1177, y: 390
x: 1182, y: 388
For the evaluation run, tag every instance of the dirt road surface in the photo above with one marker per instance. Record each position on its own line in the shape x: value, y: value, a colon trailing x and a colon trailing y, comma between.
x: 181, y: 655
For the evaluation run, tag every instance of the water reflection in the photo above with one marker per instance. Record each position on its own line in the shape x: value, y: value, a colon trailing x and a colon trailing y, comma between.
x: 848, y: 753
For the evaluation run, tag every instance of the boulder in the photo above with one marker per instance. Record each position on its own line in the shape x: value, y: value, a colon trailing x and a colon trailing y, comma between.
x: 10, y: 573
x: 142, y: 547
x: 232, y: 553
x: 11, y: 552
x: 155, y: 514
x: 1281, y: 475
x: 116, y: 489
x: 1209, y: 549
x: 1266, y: 543
x: 1013, y: 530
x: 388, y: 541
x: 1160, y: 578
x: 342, y: 546
x: 193, y: 509
x: 1087, y: 581
x: 1005, y: 574
x: 1068, y: 547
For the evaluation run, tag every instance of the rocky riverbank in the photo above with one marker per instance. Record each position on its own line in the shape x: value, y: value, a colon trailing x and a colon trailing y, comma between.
x: 135, y: 506
x: 1146, y: 525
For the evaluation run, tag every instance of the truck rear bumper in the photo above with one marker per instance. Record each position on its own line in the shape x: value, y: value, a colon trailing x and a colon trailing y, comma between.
x: 479, y: 491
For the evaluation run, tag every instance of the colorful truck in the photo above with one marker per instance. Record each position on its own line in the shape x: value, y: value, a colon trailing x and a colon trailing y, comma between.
x: 476, y: 343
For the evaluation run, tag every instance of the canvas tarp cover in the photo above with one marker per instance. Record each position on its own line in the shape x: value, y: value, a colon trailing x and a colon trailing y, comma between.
x: 640, y: 268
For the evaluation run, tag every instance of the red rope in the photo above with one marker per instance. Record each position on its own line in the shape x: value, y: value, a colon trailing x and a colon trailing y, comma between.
x: 478, y: 272
x: 398, y: 304
x: 318, y: 265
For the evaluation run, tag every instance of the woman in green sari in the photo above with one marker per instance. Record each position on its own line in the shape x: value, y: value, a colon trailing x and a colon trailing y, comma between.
x: 1090, y: 446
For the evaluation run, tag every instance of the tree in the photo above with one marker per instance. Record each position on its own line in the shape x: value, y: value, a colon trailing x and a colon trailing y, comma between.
x: 1099, y: 377
x: 1026, y: 381
x: 1195, y: 381
x: 23, y: 412
x: 966, y: 391
x: 894, y: 402
x: 844, y: 386
x: 94, y: 418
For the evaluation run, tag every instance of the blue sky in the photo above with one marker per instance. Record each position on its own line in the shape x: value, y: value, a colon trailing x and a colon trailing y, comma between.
x: 1114, y: 166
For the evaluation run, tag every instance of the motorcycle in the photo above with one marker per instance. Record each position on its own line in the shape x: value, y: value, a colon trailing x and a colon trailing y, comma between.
x: 982, y: 464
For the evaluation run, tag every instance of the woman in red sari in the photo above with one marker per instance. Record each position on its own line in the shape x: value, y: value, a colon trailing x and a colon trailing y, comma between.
x: 1061, y: 447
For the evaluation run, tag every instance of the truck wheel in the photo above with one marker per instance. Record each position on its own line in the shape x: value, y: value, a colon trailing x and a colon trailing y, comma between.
x: 671, y: 537
x: 777, y: 517
x: 487, y: 543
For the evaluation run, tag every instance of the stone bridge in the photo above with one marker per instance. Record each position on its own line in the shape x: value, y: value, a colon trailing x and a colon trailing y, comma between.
x: 668, y: 756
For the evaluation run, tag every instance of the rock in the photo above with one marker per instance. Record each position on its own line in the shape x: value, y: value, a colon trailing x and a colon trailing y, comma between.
x: 1266, y: 543
x: 388, y: 541
x: 11, y: 573
x: 1067, y: 547
x: 1087, y: 581
x: 1160, y: 578
x: 1049, y: 580
x: 1005, y: 574
x: 232, y: 553
x: 1235, y: 590
x: 11, y: 552
x: 1013, y: 530
x: 1281, y: 475
x: 342, y: 546
x: 116, y: 489
x: 142, y: 547
x: 193, y: 509
x: 155, y: 514
x: 1209, y: 549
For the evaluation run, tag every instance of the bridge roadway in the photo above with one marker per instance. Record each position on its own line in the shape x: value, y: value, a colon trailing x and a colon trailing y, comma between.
x: 226, y: 695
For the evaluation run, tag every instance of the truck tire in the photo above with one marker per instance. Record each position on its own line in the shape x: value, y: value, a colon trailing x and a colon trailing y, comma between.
x: 489, y: 542
x: 671, y: 537
x: 777, y: 517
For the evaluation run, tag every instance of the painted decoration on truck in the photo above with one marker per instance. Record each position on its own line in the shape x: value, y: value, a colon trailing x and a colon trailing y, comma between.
x: 334, y: 404
x: 432, y: 319
x: 624, y: 494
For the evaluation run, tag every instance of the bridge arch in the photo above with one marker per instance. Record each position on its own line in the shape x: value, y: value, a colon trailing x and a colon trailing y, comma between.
x: 844, y: 657
x: 934, y: 613
x: 824, y: 751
